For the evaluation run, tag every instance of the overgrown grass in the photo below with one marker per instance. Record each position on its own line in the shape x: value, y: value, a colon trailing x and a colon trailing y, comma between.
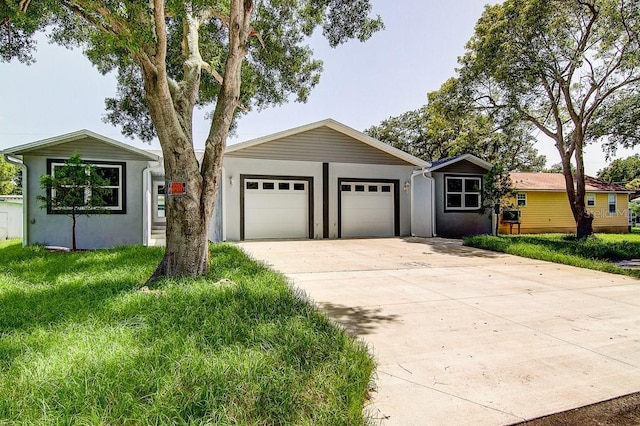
x: 80, y: 343
x: 597, y: 252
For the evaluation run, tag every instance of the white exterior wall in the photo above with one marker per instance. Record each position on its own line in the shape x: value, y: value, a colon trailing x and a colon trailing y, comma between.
x: 369, y: 171
x: 10, y: 220
x: 234, y: 167
x: 97, y: 231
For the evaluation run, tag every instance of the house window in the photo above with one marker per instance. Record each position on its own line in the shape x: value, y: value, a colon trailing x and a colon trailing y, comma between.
x: 463, y: 193
x: 591, y: 200
x: 112, y: 192
x: 521, y: 200
x: 612, y: 203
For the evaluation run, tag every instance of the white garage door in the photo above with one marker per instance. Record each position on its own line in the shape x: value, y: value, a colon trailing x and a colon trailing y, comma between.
x: 276, y: 209
x: 367, y: 209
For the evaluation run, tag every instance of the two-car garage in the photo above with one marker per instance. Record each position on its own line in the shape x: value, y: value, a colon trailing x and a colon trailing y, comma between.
x: 280, y: 207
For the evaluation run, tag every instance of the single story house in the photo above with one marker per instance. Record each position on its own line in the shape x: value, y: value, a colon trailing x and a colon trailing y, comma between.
x: 543, y: 204
x: 321, y: 180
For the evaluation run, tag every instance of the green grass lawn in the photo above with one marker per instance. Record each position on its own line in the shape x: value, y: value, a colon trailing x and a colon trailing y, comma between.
x: 597, y: 252
x: 81, y: 343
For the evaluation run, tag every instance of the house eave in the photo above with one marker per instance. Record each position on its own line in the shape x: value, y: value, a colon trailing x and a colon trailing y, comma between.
x: 21, y: 150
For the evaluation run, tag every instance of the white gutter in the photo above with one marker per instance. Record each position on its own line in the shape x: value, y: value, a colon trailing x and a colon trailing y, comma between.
x: 25, y: 203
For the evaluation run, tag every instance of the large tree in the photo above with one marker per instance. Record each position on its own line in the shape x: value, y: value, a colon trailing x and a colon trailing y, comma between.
x: 559, y: 65
x: 449, y: 125
x: 622, y: 170
x: 171, y: 56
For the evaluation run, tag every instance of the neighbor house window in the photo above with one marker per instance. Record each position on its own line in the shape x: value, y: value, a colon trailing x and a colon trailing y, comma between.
x: 521, y: 200
x: 463, y: 193
x: 612, y: 203
x: 113, y: 190
x: 591, y: 200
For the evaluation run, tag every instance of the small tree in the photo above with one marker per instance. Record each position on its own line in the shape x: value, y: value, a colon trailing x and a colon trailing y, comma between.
x: 497, y: 191
x: 75, y: 189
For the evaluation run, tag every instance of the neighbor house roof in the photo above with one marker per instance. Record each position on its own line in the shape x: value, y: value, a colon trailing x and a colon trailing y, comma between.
x: 556, y: 182
x: 444, y: 162
x: 338, y: 127
x: 70, y: 137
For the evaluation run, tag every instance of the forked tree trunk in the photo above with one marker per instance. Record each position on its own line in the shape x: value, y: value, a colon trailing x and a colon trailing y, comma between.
x: 584, y: 225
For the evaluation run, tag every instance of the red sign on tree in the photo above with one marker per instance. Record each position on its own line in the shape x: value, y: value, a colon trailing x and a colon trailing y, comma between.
x: 176, y: 188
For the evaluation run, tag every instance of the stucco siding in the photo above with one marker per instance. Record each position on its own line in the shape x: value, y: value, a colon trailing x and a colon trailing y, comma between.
x: 318, y: 145
x: 549, y: 212
x: 234, y: 167
x: 97, y: 231
x: 455, y: 224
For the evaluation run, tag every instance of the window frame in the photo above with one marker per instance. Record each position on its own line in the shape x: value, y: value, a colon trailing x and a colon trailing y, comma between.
x: 615, y: 202
x: 587, y: 197
x: 524, y: 199
x: 463, y: 192
x: 121, y: 208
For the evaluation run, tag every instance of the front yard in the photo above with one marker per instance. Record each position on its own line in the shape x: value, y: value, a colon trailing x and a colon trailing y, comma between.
x: 82, y: 343
x: 599, y: 252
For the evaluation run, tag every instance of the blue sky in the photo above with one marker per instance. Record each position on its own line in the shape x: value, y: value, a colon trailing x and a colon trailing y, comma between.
x: 362, y: 83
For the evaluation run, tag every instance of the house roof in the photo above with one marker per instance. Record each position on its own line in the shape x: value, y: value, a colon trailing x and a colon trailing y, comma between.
x: 338, y: 127
x: 556, y: 182
x: 444, y: 162
x: 80, y: 134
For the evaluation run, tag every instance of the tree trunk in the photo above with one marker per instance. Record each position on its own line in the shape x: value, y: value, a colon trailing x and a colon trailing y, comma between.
x: 584, y: 225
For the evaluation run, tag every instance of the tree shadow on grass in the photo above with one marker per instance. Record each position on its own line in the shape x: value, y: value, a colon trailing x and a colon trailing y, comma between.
x: 357, y: 321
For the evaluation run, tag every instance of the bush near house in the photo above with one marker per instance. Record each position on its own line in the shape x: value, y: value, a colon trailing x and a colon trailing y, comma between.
x: 597, y: 252
x: 82, y: 343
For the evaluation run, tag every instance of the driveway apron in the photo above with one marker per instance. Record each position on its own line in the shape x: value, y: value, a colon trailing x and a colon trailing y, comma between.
x: 466, y: 336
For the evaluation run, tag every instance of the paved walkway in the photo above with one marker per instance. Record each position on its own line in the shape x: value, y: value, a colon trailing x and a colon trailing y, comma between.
x: 464, y: 336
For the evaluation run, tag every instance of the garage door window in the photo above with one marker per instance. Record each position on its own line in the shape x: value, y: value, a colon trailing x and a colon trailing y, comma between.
x: 463, y: 193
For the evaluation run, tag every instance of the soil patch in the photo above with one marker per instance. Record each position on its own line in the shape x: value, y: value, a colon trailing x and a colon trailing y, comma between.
x: 621, y: 411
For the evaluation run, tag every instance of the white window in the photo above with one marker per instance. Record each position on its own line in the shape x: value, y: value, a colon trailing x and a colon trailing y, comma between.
x: 463, y: 193
x: 591, y: 200
x: 521, y: 200
x: 612, y: 203
x: 112, y: 192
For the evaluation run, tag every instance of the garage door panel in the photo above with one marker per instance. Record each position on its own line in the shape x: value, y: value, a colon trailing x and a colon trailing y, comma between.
x: 276, y: 209
x: 367, y: 209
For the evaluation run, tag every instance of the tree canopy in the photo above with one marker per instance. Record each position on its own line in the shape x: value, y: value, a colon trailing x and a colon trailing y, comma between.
x: 565, y: 67
x: 449, y: 125
x: 7, y: 177
x: 171, y: 56
x: 622, y: 170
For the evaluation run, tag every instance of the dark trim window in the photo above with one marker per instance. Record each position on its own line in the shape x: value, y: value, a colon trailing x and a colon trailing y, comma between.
x: 113, y: 192
x: 463, y: 193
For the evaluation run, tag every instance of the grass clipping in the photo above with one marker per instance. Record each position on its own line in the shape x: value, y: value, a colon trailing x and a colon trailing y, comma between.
x: 81, y: 343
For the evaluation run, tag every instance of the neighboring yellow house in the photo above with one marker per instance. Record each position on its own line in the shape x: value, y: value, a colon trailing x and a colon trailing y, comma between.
x: 543, y: 205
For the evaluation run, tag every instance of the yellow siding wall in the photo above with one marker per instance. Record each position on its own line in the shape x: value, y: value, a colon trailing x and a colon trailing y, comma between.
x: 550, y: 212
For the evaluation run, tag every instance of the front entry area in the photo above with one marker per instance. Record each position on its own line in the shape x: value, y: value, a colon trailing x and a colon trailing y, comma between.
x: 368, y: 208
x: 276, y: 207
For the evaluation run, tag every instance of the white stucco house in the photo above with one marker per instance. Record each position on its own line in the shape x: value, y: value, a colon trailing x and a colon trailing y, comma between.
x: 321, y: 180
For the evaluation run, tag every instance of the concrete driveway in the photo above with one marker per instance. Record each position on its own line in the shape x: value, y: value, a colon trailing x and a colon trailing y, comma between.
x: 466, y: 336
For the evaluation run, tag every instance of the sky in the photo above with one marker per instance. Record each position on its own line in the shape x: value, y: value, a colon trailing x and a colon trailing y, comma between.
x: 361, y: 85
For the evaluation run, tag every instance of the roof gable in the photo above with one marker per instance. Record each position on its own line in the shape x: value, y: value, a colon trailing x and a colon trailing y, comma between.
x: 444, y: 163
x: 556, y: 182
x: 85, y: 142
x: 325, y: 141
